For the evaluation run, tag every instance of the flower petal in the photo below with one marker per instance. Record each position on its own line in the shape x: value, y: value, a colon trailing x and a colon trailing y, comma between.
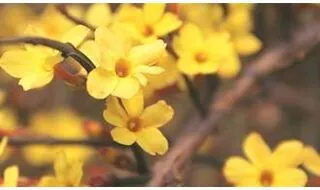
x: 209, y: 67
x: 153, y: 12
x: 61, y: 166
x: 48, y: 181
x: 126, y: 87
x: 311, y: 160
x: 256, y: 149
x: 134, y: 106
x: 188, y: 65
x: 141, y: 78
x: 98, y: 14
x: 247, y: 44
x: 36, y: 80
x: 153, y: 70
x: 147, y: 54
x: 76, y: 35
x: 3, y: 144
x: 157, y: 114
x: 237, y: 170
x: 287, y: 154
x: 115, y: 114
x: 152, y: 141
x: 230, y: 68
x: 101, y: 83
x: 123, y: 136
x: 109, y: 40
x: 168, y: 23
x: 290, y: 177
x: 75, y: 173
x: 11, y: 175
x: 91, y: 49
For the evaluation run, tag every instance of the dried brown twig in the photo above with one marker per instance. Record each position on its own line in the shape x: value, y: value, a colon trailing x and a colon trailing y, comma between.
x: 196, y: 129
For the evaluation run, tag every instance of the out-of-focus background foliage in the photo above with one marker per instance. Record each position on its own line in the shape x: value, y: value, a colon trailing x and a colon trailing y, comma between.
x: 63, y: 111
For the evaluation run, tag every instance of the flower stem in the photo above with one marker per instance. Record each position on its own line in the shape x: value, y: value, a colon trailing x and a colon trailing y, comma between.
x: 142, y: 166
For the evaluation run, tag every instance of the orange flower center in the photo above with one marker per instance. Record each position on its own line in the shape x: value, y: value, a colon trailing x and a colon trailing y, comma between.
x: 200, y: 57
x: 134, y: 124
x: 123, y: 68
x: 266, y: 178
x: 147, y: 30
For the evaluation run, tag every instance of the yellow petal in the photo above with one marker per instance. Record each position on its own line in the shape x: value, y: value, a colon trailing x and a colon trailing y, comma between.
x: 288, y: 154
x: 190, y: 38
x: 209, y: 67
x: 75, y: 173
x: 126, y: 87
x: 109, y: 40
x: 153, y: 70
x: 134, y: 106
x: 141, y: 78
x: 98, y: 14
x: 247, y: 44
x: 3, y: 144
x: 17, y: 63
x: 167, y: 24
x: 123, y: 136
x: 36, y: 80
x: 152, y: 141
x: 147, y: 54
x: 76, y: 35
x: 91, y: 49
x: 48, y: 181
x: 153, y: 12
x: 230, y: 68
x: 61, y: 166
x: 11, y: 175
x: 237, y: 170
x: 188, y: 66
x: 311, y: 160
x: 290, y: 177
x: 157, y: 114
x: 256, y: 149
x: 101, y: 83
x: 115, y: 114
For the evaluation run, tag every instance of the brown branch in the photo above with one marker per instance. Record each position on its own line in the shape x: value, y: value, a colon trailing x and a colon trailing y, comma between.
x: 197, y: 130
x: 63, y: 10
x: 67, y: 49
x: 24, y: 141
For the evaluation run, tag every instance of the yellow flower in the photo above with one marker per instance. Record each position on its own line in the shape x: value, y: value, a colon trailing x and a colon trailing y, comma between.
x: 200, y: 54
x: 34, y: 65
x: 150, y: 22
x: 60, y: 124
x: 266, y: 168
x: 68, y: 173
x: 311, y: 160
x: 98, y: 14
x: 11, y: 174
x: 120, y: 68
x: 133, y: 123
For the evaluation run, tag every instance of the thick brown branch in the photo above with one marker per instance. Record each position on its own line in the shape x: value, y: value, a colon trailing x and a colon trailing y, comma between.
x: 67, y: 49
x: 63, y: 10
x: 24, y: 141
x: 197, y: 130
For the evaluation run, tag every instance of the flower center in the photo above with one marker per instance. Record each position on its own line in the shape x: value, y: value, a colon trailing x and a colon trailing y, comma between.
x: 147, y: 30
x: 134, y: 124
x: 123, y: 68
x: 266, y: 178
x: 201, y: 57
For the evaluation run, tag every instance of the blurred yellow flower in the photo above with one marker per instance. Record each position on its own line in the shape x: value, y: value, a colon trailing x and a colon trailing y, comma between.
x: 311, y: 160
x: 120, y: 68
x: 61, y: 124
x: 68, y: 173
x: 17, y: 62
x: 11, y: 174
x: 98, y: 14
x: 266, y: 168
x: 133, y: 123
x: 149, y: 23
x: 200, y: 54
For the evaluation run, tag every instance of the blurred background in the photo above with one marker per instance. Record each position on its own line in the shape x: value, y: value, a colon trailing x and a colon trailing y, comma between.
x: 282, y: 106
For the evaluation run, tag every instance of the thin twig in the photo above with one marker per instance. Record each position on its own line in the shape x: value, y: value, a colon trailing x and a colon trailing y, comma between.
x: 67, y: 49
x: 63, y: 10
x: 25, y: 141
x: 197, y: 130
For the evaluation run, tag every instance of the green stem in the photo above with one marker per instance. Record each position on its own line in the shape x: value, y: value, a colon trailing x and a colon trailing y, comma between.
x: 142, y: 166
